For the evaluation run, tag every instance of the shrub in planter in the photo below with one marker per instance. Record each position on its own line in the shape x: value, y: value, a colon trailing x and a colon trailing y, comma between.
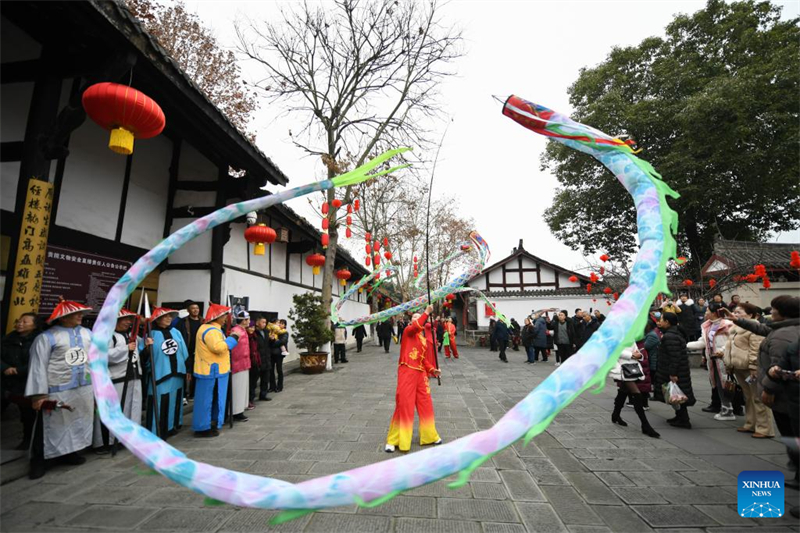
x: 309, y: 331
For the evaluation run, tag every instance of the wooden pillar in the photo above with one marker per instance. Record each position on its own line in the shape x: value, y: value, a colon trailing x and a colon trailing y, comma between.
x: 41, y: 117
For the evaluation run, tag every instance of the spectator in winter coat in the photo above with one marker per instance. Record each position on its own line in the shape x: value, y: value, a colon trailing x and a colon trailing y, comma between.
x: 278, y: 350
x: 600, y: 317
x: 515, y: 334
x: 255, y: 364
x: 539, y: 337
x: 188, y: 327
x: 628, y: 387
x: 713, y: 339
x: 563, y: 336
x: 492, y: 338
x: 790, y: 363
x: 385, y: 330
x: 501, y: 335
x: 701, y: 308
x: 240, y: 367
x: 527, y: 340
x: 673, y: 365
x: 359, y: 332
x: 265, y: 356
x: 589, y: 327
x: 652, y: 341
x: 15, y: 355
x: 687, y: 319
x: 780, y: 333
x: 741, y: 358
x: 735, y: 299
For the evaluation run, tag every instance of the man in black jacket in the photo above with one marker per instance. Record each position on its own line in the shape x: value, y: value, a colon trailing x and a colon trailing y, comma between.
x: 359, y: 332
x: 385, y: 330
x: 588, y: 325
x: 188, y: 327
x: 15, y: 356
x: 673, y: 365
x: 262, y: 342
x: 687, y: 320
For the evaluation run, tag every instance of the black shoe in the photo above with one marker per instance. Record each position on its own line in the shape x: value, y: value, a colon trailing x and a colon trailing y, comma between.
x: 264, y: 398
x: 671, y: 420
x: 792, y: 484
x: 681, y: 424
x: 101, y: 450
x: 544, y: 360
x: 72, y: 459
x: 345, y: 361
x: 38, y: 469
x: 207, y: 434
x: 505, y: 360
x: 711, y: 409
x: 240, y: 417
x: 619, y: 421
x: 650, y: 432
x: 278, y: 390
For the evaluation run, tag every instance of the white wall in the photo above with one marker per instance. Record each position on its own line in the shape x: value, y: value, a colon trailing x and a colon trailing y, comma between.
x: 194, y: 198
x: 520, y: 308
x: 237, y: 248
x: 146, y: 205
x: 180, y: 285
x: 547, y: 275
x: 563, y: 281
x: 758, y: 295
x: 92, y: 185
x: 197, y: 250
x: 274, y: 296
x: 194, y: 166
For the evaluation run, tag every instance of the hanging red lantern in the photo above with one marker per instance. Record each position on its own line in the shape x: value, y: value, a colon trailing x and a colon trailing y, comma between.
x: 450, y: 297
x: 368, y: 249
x: 760, y: 271
x: 751, y: 278
x: 593, y: 278
x: 607, y: 290
x: 794, y: 260
x: 349, y: 209
x: 325, y: 223
x: 349, y: 220
x: 573, y: 279
x: 325, y: 240
x: 608, y: 303
x: 368, y: 237
x: 386, y: 242
x: 602, y: 270
x: 415, y: 258
x: 376, y: 245
x: 129, y: 114
x: 588, y: 287
x: 367, y: 261
x: 315, y: 261
x: 259, y: 235
x: 356, y: 204
x: 388, y: 255
x: 604, y: 258
x: 616, y: 296
x: 767, y: 283
x: 348, y: 233
x: 712, y: 283
x: 343, y: 276
x: 324, y: 208
x: 336, y: 203
x: 377, y: 259
x: 688, y: 282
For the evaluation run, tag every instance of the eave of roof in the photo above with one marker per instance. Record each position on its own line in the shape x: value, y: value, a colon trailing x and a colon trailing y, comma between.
x: 525, y: 253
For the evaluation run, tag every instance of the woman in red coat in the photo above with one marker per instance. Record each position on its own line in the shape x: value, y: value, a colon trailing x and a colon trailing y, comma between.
x: 413, y: 390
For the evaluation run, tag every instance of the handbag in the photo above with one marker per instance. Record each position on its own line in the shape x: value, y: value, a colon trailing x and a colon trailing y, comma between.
x: 632, y: 371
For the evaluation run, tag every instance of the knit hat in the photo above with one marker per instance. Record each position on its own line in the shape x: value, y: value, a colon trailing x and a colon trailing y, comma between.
x: 215, y: 311
x: 125, y: 313
x: 672, y: 318
x: 158, y: 312
x: 65, y: 308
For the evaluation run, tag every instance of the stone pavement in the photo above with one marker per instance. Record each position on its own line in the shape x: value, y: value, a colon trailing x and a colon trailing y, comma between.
x: 584, y: 474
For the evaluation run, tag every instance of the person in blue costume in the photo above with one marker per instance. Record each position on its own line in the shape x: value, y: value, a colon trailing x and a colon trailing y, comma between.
x: 167, y: 350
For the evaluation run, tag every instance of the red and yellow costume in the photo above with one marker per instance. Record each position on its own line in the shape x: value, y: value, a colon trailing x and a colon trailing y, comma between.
x: 450, y: 328
x: 413, y: 389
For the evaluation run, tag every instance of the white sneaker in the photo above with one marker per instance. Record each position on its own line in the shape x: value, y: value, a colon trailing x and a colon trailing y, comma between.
x: 558, y: 364
x: 388, y: 448
x: 725, y: 416
x: 438, y: 442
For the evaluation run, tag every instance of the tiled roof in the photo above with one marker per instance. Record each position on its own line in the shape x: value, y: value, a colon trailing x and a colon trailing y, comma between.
x: 743, y: 253
x: 572, y: 291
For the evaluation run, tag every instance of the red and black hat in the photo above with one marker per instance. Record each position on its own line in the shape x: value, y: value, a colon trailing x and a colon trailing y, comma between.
x: 65, y: 308
x: 215, y: 311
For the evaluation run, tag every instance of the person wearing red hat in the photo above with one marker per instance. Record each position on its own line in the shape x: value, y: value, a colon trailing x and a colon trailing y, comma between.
x: 123, y: 367
x: 168, y: 353
x: 413, y: 390
x: 59, y: 383
x: 212, y: 367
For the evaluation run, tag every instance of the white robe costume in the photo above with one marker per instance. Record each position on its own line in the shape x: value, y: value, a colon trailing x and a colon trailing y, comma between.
x: 118, y: 368
x: 59, y: 369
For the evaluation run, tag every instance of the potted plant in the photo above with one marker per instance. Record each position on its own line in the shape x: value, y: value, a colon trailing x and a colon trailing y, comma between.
x: 309, y: 331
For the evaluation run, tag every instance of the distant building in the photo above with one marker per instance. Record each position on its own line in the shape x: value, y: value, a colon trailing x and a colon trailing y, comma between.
x: 522, y: 283
x: 738, y: 258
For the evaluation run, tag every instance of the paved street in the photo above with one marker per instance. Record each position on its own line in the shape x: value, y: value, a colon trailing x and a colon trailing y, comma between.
x: 584, y: 474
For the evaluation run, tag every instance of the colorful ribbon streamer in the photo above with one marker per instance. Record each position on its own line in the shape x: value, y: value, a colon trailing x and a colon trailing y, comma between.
x: 375, y: 484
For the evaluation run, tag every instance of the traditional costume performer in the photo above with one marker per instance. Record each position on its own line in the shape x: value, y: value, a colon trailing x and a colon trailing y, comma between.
x: 212, y: 366
x: 60, y: 388
x: 123, y: 366
x: 450, y: 339
x: 240, y: 368
x: 413, y: 389
x: 169, y: 354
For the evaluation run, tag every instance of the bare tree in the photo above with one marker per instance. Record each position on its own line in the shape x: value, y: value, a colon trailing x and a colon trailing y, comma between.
x: 359, y: 77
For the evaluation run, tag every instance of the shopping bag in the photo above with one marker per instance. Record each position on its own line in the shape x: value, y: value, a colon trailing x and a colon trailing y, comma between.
x: 673, y: 394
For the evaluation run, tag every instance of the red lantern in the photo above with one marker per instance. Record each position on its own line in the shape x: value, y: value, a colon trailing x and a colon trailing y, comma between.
x: 712, y: 283
x: 604, y: 258
x: 336, y: 203
x: 607, y: 290
x: 368, y: 249
x: 376, y: 245
x: 794, y: 262
x: 688, y: 282
x: 325, y: 240
x: 616, y: 296
x: 259, y: 235
x: 767, y: 283
x: 315, y: 261
x: 367, y: 261
x: 357, y: 204
x: 760, y: 271
x: 593, y: 278
x: 751, y: 278
x: 324, y: 208
x: 450, y: 297
x: 349, y: 220
x: 128, y: 113
x: 573, y: 279
x: 415, y: 258
x: 588, y: 287
x: 602, y: 270
x: 343, y: 276
x: 377, y: 259
x: 348, y: 233
x: 349, y: 209
x: 386, y: 242
x: 388, y: 255
x: 368, y: 237
x: 325, y: 223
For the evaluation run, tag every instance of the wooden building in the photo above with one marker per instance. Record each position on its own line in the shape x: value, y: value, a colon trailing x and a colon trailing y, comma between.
x: 108, y: 209
x: 521, y: 283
